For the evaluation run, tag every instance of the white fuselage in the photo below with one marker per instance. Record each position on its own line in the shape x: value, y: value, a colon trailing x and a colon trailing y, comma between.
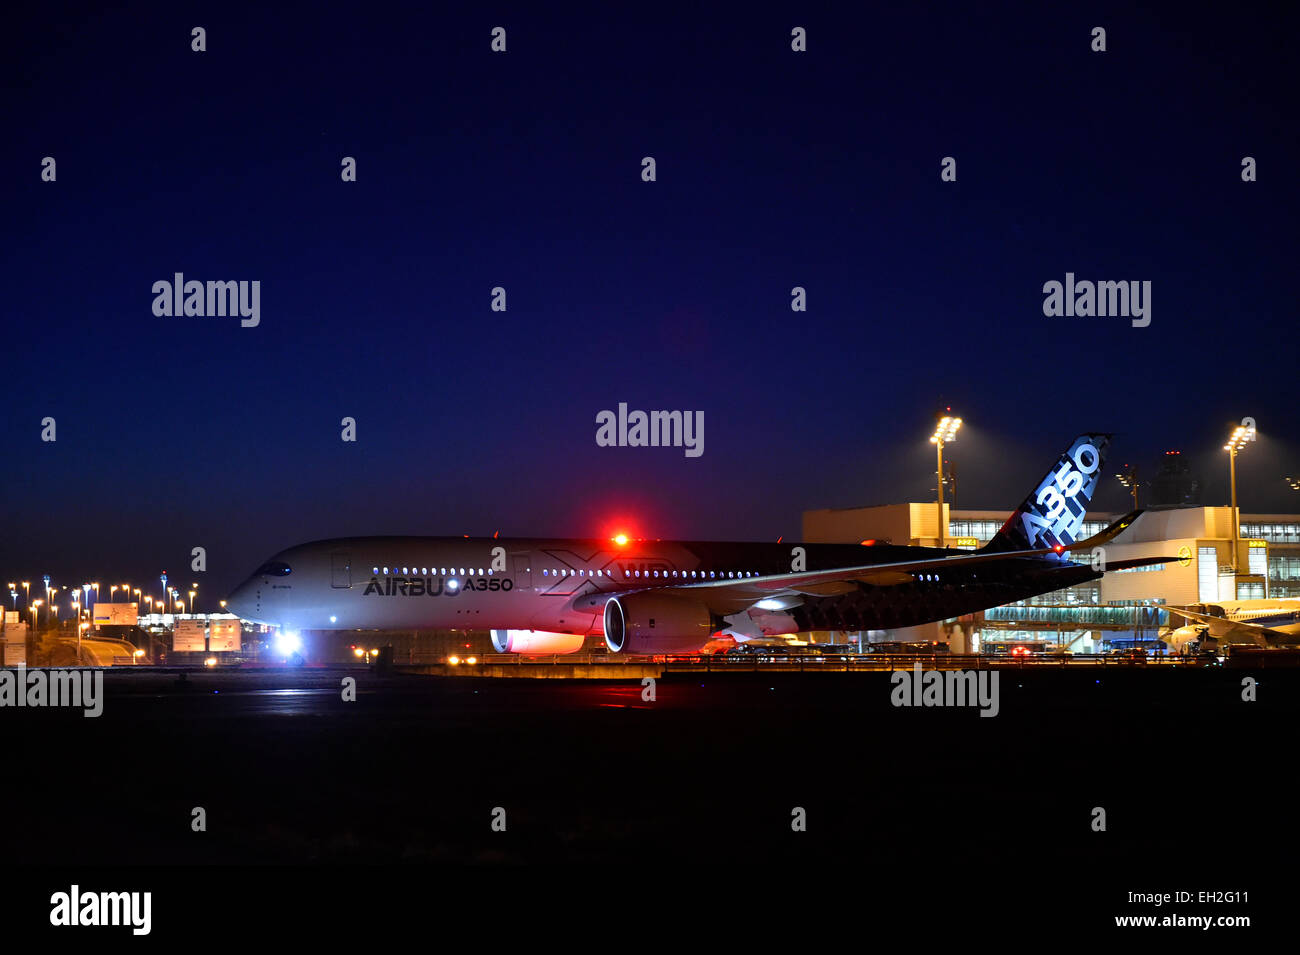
x: 408, y: 583
x: 1279, y: 613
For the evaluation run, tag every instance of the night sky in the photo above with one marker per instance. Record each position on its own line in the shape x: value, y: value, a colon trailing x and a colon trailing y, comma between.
x: 523, y: 170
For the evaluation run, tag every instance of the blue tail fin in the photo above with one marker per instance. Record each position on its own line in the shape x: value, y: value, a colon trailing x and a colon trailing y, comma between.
x: 1052, y: 514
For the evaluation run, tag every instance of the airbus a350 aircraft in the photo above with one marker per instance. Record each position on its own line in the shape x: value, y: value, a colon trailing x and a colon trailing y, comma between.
x: 651, y: 596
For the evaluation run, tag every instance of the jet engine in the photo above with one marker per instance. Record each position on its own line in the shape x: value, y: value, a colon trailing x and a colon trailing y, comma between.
x: 1197, y: 635
x: 650, y: 622
x: 535, y: 641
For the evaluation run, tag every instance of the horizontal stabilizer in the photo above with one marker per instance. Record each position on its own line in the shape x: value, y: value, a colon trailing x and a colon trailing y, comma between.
x: 1111, y: 531
x: 1137, y: 562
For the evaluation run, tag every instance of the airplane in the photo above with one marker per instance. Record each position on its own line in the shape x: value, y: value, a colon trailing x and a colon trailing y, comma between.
x: 1272, y: 622
x: 545, y: 596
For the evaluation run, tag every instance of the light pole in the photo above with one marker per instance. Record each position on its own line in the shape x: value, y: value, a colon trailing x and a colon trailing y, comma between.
x: 944, y: 432
x: 1129, y: 478
x: 1241, y: 436
x: 27, y: 593
x: 192, y: 593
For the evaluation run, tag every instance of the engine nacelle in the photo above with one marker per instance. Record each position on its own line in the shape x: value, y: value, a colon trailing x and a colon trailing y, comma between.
x: 535, y: 641
x: 649, y: 622
x: 1197, y: 634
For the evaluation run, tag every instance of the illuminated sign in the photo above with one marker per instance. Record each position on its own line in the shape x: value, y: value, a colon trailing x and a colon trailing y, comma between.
x: 15, y: 647
x: 189, y: 637
x: 968, y: 542
x: 1256, y: 543
x: 224, y: 636
x: 108, y: 614
x: 1185, y: 556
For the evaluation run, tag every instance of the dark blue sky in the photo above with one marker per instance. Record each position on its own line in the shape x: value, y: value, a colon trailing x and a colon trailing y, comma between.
x: 522, y: 170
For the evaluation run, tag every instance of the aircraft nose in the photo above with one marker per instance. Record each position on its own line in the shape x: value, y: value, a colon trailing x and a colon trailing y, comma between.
x: 245, y: 600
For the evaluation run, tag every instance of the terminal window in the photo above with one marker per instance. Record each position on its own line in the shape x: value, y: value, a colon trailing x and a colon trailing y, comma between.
x: 1207, y: 574
x: 1284, y: 568
x: 1276, y: 533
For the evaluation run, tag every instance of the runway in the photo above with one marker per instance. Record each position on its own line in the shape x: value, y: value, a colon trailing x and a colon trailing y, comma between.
x: 711, y: 769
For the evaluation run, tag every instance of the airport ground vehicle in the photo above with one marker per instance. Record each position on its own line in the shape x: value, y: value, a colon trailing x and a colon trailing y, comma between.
x: 1128, y: 655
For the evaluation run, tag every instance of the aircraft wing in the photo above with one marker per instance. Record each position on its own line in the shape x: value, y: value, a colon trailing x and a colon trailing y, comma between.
x: 841, y: 580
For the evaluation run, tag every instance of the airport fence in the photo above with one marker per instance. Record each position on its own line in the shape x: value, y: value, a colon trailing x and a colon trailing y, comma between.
x: 746, y: 662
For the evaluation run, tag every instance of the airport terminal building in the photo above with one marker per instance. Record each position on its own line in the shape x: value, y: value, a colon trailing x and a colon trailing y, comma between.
x: 1121, y: 609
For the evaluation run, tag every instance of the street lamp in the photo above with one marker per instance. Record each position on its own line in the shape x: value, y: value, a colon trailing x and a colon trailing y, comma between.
x: 1129, y: 478
x: 944, y: 432
x: 1241, y: 436
x: 27, y: 593
x: 192, y: 593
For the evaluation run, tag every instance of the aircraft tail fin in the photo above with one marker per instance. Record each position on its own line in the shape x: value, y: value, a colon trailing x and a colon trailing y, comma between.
x: 1052, y: 514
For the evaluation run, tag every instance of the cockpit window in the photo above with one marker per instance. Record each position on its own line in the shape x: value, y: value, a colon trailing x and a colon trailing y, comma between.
x: 275, y: 568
